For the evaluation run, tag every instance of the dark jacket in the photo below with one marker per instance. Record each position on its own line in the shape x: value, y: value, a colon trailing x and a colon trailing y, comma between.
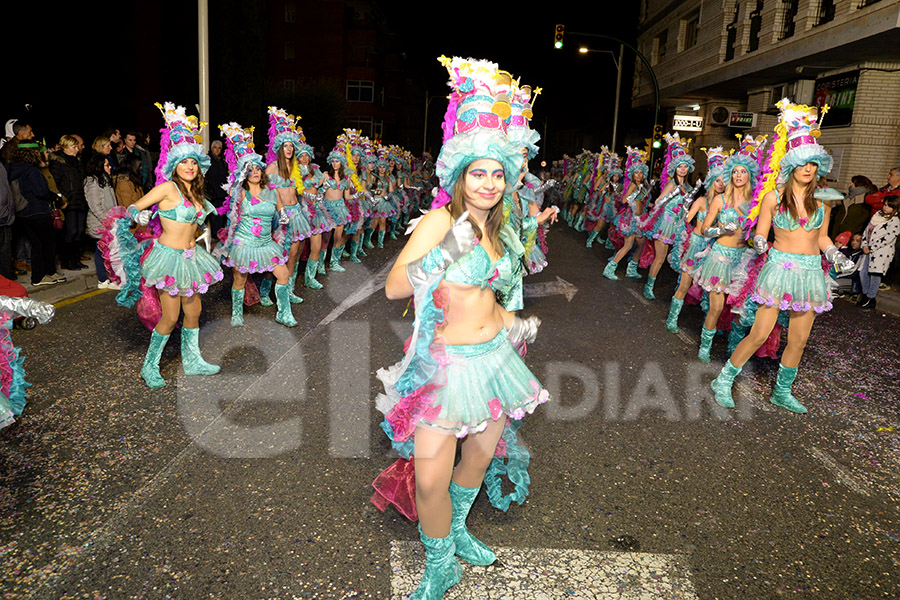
x: 69, y: 177
x: 7, y: 206
x: 35, y: 189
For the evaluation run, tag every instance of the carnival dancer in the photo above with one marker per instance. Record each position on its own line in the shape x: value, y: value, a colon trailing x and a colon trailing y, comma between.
x: 168, y: 271
x: 594, y: 200
x: 723, y: 266
x: 337, y: 193
x: 636, y: 196
x: 382, y: 186
x: 358, y: 206
x: 607, y: 201
x: 452, y: 385
x: 793, y: 278
x: 319, y: 218
x: 285, y: 141
x: 247, y: 243
x: 689, y: 241
x: 367, y: 177
x: 663, y: 222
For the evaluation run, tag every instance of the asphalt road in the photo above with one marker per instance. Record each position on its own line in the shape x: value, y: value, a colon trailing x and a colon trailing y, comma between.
x: 255, y: 483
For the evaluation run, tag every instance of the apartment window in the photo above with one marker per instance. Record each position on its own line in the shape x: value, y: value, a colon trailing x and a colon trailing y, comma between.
x: 290, y: 12
x: 289, y: 85
x: 691, y: 29
x: 731, y: 33
x: 866, y: 3
x: 755, y: 25
x: 367, y: 125
x: 826, y: 12
x: 290, y: 50
x: 787, y: 23
x: 659, y: 43
x: 360, y: 91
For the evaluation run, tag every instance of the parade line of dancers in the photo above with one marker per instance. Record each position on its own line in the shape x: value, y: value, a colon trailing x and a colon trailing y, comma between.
x: 749, y: 242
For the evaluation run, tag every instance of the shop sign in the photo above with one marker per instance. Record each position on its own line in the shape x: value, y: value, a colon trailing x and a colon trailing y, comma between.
x: 687, y: 123
x: 839, y: 93
x: 741, y: 120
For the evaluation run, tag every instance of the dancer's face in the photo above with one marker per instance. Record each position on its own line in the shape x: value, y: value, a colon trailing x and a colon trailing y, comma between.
x: 739, y: 177
x: 255, y: 174
x: 288, y: 150
x: 187, y: 169
x: 304, y: 159
x: 682, y: 170
x: 806, y: 174
x: 335, y: 164
x: 485, y: 183
x: 638, y: 176
x: 718, y: 185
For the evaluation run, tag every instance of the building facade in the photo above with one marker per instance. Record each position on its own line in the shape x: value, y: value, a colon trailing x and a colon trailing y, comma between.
x: 722, y: 65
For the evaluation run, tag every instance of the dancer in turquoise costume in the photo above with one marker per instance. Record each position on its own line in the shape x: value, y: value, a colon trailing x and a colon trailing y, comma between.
x: 319, y: 218
x: 167, y: 271
x: 662, y: 223
x: 689, y: 241
x: 723, y: 267
x: 636, y: 196
x: 285, y: 141
x: 336, y: 188
x: 793, y: 278
x: 461, y: 378
x: 247, y: 242
x: 382, y: 186
x: 608, y: 194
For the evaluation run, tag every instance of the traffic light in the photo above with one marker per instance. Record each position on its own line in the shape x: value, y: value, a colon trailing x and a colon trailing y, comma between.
x: 657, y: 136
x: 558, y: 36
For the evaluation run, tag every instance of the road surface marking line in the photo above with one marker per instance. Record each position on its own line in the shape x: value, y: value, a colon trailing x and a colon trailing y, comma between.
x: 841, y: 474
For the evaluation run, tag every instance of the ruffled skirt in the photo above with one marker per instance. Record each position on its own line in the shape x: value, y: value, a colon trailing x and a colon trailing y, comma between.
x: 627, y: 223
x: 180, y: 272
x: 608, y: 209
x: 666, y: 228
x: 256, y: 257
x: 793, y: 282
x: 338, y: 211
x: 695, y: 245
x: 319, y: 218
x: 717, y: 267
x: 384, y: 208
x: 298, y: 227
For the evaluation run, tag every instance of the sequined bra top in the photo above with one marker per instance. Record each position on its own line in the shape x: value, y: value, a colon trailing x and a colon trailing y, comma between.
x: 729, y: 214
x: 785, y: 220
x: 186, y: 212
x: 503, y: 275
x: 278, y: 182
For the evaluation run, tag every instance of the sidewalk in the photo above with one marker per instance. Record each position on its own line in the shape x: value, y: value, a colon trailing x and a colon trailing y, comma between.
x: 77, y: 283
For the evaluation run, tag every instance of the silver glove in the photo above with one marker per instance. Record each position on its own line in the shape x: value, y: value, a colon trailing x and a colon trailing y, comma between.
x: 712, y: 232
x: 457, y: 242
x: 843, y: 264
x: 760, y: 244
x: 283, y: 217
x: 28, y: 307
x: 523, y: 329
x: 141, y: 217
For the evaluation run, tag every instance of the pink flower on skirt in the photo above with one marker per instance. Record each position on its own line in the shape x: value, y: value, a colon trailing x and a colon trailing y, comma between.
x: 689, y: 262
x: 496, y: 408
x: 788, y: 265
x: 253, y: 264
x: 274, y: 260
x: 207, y: 277
x: 714, y: 279
x: 169, y: 281
x: 788, y: 297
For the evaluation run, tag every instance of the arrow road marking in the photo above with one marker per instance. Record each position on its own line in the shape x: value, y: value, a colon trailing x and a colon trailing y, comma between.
x: 841, y: 474
x: 551, y: 288
x: 551, y: 574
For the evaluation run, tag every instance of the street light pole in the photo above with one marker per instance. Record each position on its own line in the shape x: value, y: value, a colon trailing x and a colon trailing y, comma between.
x: 618, y: 94
x: 203, y: 43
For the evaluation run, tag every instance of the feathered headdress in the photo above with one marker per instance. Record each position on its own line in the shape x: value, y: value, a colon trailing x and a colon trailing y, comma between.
x: 283, y: 129
x: 676, y: 154
x: 178, y: 140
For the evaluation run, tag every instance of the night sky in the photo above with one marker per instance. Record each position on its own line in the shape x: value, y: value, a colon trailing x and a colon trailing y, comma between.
x: 83, y: 69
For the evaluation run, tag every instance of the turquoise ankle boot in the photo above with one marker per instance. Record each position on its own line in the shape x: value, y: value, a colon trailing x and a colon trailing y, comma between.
x: 632, y: 270
x: 191, y: 360
x: 591, y: 238
x: 706, y: 340
x: 354, y: 249
x: 442, y: 570
x: 292, y: 281
x: 468, y: 547
x: 648, y: 288
x: 336, y: 259
x: 674, y: 311
x: 320, y: 266
x: 368, y: 235
x: 737, y: 333
x: 284, y: 314
x: 781, y: 395
x: 265, y: 290
x: 237, y: 308
x: 609, y: 245
x: 309, y: 277
x: 610, y: 271
x: 381, y: 238
x: 150, y: 369
x: 721, y: 385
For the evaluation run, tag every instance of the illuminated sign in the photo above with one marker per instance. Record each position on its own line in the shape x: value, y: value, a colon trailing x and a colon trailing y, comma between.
x: 687, y: 123
x: 741, y: 120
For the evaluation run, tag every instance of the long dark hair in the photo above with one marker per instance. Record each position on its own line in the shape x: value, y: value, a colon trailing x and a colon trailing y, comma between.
x: 285, y: 164
x: 493, y: 222
x: 192, y: 190
x: 95, y: 168
x: 789, y: 203
x: 340, y: 171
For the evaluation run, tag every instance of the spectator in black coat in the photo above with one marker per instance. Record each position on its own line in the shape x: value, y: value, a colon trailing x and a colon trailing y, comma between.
x: 69, y: 176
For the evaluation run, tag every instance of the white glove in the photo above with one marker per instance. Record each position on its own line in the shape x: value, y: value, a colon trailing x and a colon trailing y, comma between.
x: 760, y: 244
x: 141, y: 217
x: 283, y: 217
x: 523, y: 329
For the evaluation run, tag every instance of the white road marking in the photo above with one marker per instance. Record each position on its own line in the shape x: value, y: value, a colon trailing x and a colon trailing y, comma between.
x: 841, y: 474
x: 638, y: 296
x: 550, y: 574
x: 369, y: 287
x: 551, y: 288
x: 686, y: 338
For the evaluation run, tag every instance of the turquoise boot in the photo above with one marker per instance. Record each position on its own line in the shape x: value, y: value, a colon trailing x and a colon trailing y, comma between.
x: 320, y: 265
x: 781, y: 395
x: 265, y: 290
x: 579, y: 223
x: 309, y: 277
x: 392, y: 233
x: 609, y: 245
x: 292, y: 281
x: 191, y: 360
x: 706, y: 340
x: 721, y: 385
x: 237, y: 308
x: 610, y: 271
x: 648, y: 288
x: 737, y: 333
x: 368, y: 235
x: 381, y: 238
x: 336, y: 259
x: 150, y: 370
x: 468, y: 548
x: 442, y: 570
x: 591, y: 238
x: 354, y: 249
x: 284, y: 315
x: 632, y: 270
x: 674, y: 311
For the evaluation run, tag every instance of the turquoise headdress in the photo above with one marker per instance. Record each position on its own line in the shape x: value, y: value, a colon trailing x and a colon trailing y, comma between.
x: 676, y: 155
x: 715, y: 163
x: 747, y: 156
x: 475, y: 123
x: 178, y: 140
x: 802, y: 124
x: 239, y: 154
x: 283, y: 129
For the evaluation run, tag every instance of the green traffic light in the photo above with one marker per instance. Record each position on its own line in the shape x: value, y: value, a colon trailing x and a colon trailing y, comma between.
x: 656, y: 143
x: 557, y: 44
